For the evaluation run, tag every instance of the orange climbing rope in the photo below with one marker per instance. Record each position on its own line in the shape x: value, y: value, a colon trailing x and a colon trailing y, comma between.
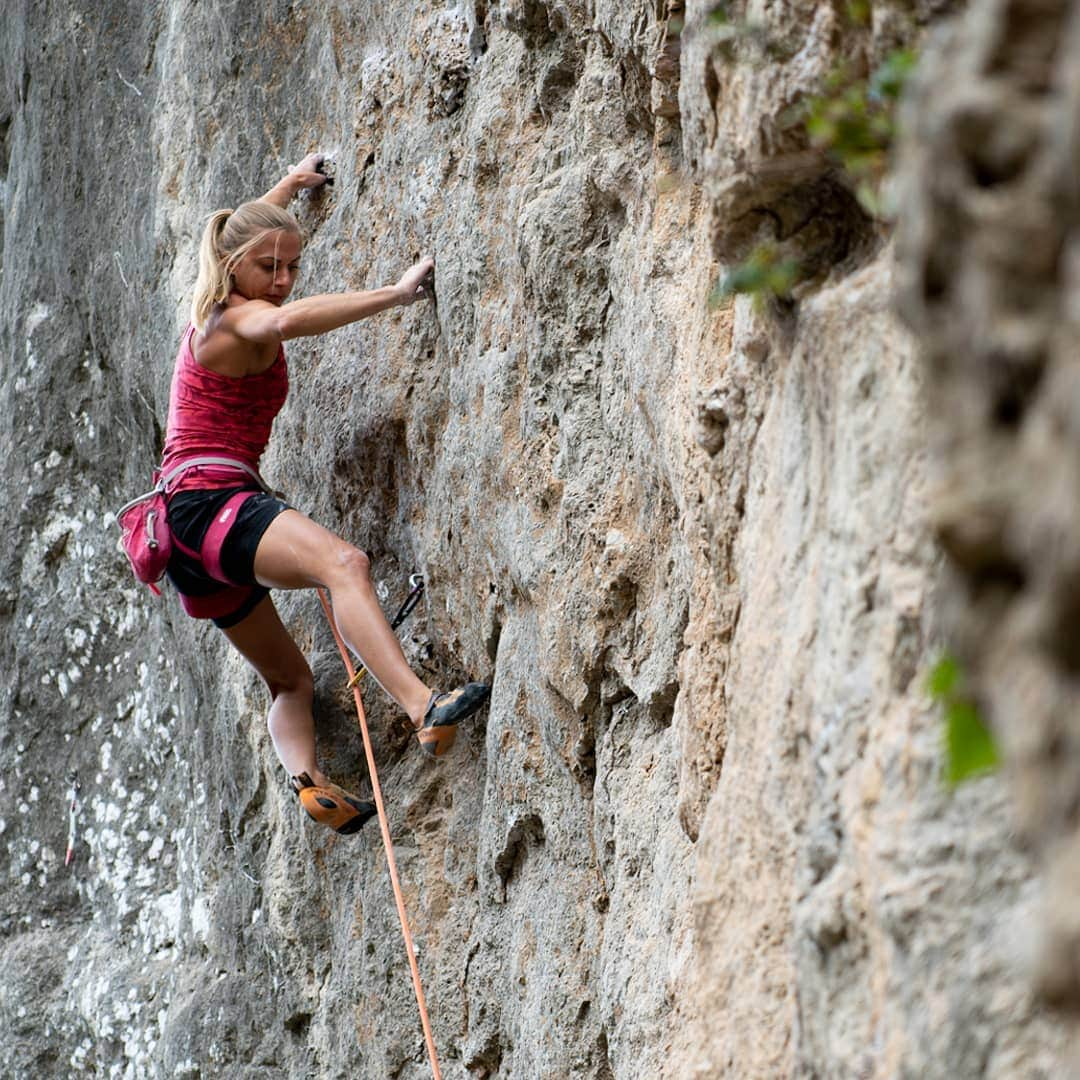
x: 387, y: 842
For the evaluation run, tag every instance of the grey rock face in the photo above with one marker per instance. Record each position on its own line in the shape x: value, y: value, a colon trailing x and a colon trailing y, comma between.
x: 989, y: 284
x: 700, y: 830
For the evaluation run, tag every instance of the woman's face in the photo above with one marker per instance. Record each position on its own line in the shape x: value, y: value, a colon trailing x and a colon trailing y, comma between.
x: 268, y: 271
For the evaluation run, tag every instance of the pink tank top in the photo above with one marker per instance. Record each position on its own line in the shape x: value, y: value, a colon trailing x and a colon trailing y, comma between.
x: 214, y: 415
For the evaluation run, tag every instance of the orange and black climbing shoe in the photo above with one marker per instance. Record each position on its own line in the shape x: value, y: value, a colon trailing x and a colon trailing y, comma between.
x: 331, y: 805
x: 445, y: 712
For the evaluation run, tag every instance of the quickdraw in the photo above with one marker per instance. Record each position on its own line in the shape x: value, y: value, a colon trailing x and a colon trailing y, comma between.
x: 416, y: 584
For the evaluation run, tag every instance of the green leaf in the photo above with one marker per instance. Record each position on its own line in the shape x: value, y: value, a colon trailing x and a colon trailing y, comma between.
x: 944, y: 678
x: 764, y: 273
x: 718, y: 16
x: 853, y: 120
x: 889, y: 78
x: 870, y: 200
x: 783, y: 277
x: 970, y: 746
x: 858, y: 12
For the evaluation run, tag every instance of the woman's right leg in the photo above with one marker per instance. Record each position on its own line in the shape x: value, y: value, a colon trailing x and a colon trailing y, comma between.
x: 269, y: 648
x: 265, y: 643
x: 297, y: 553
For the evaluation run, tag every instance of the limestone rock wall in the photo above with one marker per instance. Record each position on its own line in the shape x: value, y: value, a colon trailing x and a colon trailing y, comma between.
x: 989, y: 283
x: 700, y: 831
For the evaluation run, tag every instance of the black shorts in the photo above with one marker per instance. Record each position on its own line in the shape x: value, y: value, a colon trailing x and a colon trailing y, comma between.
x: 203, y: 596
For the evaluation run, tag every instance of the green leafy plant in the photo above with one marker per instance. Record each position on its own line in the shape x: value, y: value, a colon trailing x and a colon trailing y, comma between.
x: 970, y: 747
x: 764, y: 275
x: 854, y: 121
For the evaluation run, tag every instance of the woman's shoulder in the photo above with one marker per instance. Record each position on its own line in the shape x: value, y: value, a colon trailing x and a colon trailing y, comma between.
x: 218, y: 348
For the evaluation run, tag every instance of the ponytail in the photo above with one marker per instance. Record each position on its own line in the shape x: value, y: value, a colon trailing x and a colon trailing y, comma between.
x: 229, y: 235
x: 212, y: 284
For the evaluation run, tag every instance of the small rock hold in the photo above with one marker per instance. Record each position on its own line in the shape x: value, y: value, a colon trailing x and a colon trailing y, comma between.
x: 712, y: 424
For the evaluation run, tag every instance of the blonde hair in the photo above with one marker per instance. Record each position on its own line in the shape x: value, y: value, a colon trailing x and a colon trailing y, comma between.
x: 229, y: 235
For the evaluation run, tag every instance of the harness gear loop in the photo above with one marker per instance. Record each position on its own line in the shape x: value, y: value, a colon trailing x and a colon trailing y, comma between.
x: 391, y: 863
x: 416, y: 583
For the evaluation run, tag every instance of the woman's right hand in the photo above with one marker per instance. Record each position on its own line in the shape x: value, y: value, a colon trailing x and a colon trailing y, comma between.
x: 306, y: 173
x: 417, y: 282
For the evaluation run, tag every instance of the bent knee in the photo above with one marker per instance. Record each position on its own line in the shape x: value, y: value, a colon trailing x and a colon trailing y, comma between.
x: 294, y: 679
x: 353, y: 562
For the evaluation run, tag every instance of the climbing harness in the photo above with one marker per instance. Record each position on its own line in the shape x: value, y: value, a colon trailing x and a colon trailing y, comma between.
x: 391, y: 863
x: 73, y: 811
x: 416, y: 583
x: 144, y: 529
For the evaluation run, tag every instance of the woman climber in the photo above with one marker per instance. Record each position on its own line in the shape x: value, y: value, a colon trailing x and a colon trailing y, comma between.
x: 233, y: 540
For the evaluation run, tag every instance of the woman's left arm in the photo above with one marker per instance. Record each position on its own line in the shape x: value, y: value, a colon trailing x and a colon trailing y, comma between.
x: 303, y: 175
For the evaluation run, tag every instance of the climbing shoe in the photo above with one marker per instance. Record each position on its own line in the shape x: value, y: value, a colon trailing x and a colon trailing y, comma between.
x: 445, y: 712
x: 331, y: 805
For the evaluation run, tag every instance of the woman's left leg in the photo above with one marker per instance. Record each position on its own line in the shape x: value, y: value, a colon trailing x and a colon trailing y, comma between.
x: 295, y: 553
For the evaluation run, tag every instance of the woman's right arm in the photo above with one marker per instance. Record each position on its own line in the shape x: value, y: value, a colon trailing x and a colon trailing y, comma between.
x: 263, y: 322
